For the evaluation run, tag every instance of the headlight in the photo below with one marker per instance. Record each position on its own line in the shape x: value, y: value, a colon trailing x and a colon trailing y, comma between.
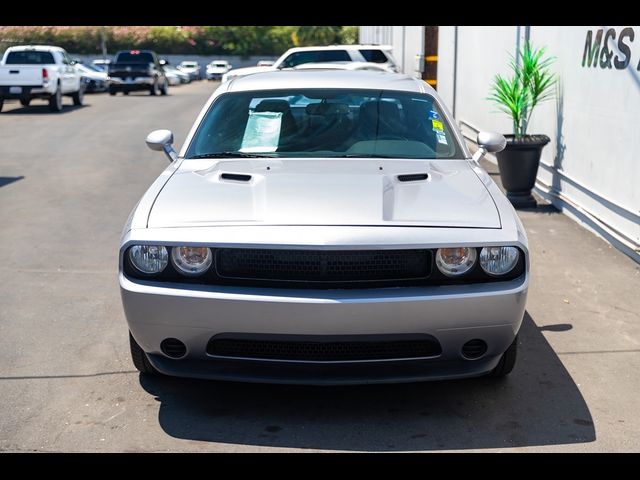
x: 149, y: 259
x: 498, y: 260
x: 191, y: 261
x: 455, y: 261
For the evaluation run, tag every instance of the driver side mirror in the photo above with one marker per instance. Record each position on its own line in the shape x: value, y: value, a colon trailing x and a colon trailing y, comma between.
x: 162, y: 141
x: 489, y: 142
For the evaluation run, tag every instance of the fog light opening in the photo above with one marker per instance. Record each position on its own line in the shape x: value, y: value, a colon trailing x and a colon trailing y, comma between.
x: 174, y: 348
x: 474, y: 349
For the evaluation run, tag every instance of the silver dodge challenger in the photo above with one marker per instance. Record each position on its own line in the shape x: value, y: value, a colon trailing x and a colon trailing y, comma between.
x: 324, y: 227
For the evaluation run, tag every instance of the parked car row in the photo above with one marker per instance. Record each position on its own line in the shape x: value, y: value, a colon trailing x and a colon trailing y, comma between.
x: 47, y: 72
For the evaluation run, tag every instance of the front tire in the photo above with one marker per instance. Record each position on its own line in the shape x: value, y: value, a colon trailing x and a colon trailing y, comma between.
x: 507, y: 361
x: 78, y: 97
x: 55, y: 101
x: 139, y: 358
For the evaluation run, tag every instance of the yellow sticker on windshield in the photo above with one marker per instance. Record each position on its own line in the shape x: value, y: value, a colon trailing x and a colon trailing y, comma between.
x: 437, y: 125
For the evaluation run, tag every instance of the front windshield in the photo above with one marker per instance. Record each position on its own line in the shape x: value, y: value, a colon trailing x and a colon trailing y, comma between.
x: 325, y: 123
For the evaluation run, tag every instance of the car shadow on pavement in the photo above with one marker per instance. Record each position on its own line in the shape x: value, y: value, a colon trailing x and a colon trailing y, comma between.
x: 538, y: 404
x: 41, y: 109
x: 7, y: 180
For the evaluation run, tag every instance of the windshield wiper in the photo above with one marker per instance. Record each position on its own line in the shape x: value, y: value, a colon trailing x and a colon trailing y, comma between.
x: 232, y: 155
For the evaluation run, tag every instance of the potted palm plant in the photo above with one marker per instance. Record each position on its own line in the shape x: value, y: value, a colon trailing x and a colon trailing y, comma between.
x: 530, y: 84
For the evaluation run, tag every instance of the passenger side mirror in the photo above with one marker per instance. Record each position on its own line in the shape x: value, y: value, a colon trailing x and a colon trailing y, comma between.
x: 162, y: 141
x: 489, y: 142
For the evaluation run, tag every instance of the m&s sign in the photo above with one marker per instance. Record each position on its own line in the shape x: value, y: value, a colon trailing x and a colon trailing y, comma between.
x: 597, y: 53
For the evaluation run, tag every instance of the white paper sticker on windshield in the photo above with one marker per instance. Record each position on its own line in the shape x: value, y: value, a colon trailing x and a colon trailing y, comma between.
x: 441, y: 138
x: 262, y: 133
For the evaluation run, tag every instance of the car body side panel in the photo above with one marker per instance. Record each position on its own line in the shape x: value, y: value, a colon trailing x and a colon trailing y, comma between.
x: 140, y: 214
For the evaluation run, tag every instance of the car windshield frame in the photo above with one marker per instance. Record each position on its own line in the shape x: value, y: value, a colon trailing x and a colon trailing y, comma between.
x: 377, y: 147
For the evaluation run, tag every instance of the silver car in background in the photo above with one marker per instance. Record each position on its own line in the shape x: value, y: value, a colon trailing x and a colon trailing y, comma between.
x: 216, y: 69
x: 190, y: 68
x: 324, y: 227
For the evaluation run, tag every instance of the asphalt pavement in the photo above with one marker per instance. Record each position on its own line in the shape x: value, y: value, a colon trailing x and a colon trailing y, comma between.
x: 67, y: 184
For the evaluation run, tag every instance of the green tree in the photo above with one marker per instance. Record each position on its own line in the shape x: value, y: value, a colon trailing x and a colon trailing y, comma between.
x: 349, y: 35
x: 317, y: 35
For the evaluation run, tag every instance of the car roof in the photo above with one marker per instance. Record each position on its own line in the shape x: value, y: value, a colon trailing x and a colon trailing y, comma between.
x: 353, y: 79
x: 342, y: 65
x: 340, y: 47
x: 39, y: 48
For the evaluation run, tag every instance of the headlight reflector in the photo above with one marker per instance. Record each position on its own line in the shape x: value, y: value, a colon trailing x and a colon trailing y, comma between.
x: 455, y: 261
x: 192, y: 261
x: 498, y: 260
x: 149, y: 259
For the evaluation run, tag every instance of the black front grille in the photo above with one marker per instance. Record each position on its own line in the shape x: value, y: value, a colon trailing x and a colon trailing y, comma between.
x: 322, y: 265
x: 312, y: 350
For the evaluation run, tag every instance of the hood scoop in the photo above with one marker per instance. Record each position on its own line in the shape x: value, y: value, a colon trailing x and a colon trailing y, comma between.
x: 235, y: 177
x: 413, y: 177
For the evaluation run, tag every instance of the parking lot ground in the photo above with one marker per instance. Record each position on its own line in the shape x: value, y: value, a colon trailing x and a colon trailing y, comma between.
x: 67, y: 184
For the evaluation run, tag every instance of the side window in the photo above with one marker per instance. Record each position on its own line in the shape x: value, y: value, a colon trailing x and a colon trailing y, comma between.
x: 67, y: 59
x: 333, y: 56
x: 318, y: 56
x: 374, y: 56
x: 298, y: 58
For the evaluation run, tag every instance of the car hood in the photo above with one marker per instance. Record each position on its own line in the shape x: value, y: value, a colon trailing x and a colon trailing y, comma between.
x: 324, y: 192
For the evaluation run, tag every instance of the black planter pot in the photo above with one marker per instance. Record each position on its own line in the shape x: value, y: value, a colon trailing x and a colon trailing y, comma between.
x: 518, y: 164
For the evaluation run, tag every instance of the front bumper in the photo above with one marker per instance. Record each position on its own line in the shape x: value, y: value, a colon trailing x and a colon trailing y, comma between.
x: 452, y: 314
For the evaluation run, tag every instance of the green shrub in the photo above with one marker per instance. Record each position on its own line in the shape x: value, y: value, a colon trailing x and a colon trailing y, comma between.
x: 206, y: 40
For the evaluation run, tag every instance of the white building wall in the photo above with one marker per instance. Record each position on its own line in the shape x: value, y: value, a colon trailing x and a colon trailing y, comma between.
x: 407, y: 43
x: 591, y: 168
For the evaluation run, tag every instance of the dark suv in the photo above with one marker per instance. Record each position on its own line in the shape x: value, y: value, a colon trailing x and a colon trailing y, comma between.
x: 133, y: 70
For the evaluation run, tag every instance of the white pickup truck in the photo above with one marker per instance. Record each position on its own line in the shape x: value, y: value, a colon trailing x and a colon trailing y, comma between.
x: 39, y: 71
